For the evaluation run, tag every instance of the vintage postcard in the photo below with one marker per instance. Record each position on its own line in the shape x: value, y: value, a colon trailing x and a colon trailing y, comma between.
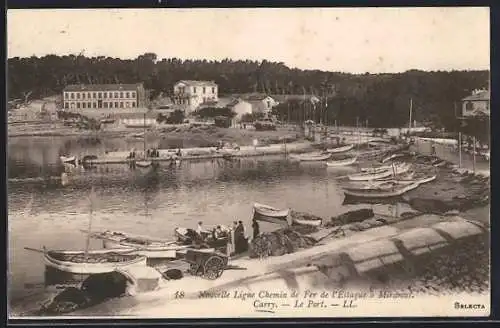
x: 249, y: 163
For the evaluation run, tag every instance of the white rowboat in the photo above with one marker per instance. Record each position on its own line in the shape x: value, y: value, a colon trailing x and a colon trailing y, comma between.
x: 340, y: 149
x: 314, y: 223
x: 270, y: 212
x: 145, y: 246
x: 143, y: 163
x: 311, y: 157
x: 98, y: 261
x: 342, y: 162
x: 382, y: 168
x: 382, y: 193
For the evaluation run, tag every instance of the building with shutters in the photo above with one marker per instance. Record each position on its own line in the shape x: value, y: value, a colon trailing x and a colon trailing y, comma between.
x: 104, y: 96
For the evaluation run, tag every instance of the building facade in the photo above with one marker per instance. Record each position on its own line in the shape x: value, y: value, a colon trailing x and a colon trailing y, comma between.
x: 240, y: 107
x: 261, y: 103
x: 104, y: 96
x: 476, y: 104
x: 191, y: 94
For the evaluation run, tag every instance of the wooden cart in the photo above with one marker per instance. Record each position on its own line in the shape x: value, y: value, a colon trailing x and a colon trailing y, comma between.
x: 207, y: 263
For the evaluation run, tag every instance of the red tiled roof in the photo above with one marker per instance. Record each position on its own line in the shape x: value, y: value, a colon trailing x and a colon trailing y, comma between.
x: 102, y: 87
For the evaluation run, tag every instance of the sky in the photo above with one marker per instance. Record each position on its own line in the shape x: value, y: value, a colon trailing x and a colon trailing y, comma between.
x: 355, y: 40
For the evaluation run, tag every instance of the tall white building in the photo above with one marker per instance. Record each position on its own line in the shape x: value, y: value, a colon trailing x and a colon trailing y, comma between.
x: 191, y: 94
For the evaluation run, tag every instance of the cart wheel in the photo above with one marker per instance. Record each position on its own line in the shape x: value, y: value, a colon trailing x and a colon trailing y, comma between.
x: 194, y: 269
x: 214, y: 267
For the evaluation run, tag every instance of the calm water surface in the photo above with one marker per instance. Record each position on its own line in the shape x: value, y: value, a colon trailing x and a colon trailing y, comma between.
x: 149, y: 202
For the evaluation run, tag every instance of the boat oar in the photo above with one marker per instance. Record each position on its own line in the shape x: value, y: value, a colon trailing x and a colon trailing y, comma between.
x: 34, y: 250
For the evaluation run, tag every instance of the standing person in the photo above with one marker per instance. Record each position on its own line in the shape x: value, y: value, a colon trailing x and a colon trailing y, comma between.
x: 238, y: 237
x: 200, y: 230
x: 256, y: 228
x: 244, y: 237
x: 232, y: 235
x: 433, y: 149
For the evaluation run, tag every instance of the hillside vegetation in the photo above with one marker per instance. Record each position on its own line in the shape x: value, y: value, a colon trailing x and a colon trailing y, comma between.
x: 382, y: 99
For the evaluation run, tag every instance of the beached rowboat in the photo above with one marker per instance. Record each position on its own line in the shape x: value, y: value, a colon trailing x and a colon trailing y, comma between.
x: 142, y: 245
x: 311, y: 157
x: 340, y: 149
x: 382, y: 193
x: 95, y: 261
x: 314, y: 223
x: 342, y: 162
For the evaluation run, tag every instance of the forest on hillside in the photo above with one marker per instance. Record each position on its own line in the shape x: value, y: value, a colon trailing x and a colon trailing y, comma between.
x: 380, y: 99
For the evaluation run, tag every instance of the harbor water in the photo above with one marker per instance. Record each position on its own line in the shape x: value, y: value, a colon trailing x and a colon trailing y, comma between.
x: 146, y: 201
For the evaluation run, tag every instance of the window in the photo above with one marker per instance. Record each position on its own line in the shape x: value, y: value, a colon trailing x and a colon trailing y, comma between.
x: 94, y: 95
x: 110, y: 95
x: 78, y: 95
x: 194, y: 89
x: 72, y: 95
x: 116, y: 94
x: 77, y: 105
x: 89, y: 95
x: 105, y: 105
x: 133, y: 104
x: 127, y: 95
x: 204, y: 90
x: 121, y: 104
x: 121, y: 94
x: 133, y: 94
x: 66, y: 105
x: 99, y: 95
x: 469, y: 106
x: 89, y: 105
x: 268, y: 104
x: 65, y: 95
x: 111, y: 105
x: 83, y: 95
x: 105, y: 94
x: 116, y: 104
x: 84, y: 105
x: 213, y: 89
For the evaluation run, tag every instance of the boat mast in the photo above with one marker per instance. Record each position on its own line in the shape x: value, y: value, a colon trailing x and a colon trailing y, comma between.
x: 91, y: 202
x: 409, y: 123
x: 144, y: 136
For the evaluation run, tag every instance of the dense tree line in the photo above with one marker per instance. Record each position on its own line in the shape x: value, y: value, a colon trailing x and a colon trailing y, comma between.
x: 380, y: 99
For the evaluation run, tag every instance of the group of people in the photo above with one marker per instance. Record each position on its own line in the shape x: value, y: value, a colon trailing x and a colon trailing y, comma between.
x: 152, y: 153
x: 236, y: 239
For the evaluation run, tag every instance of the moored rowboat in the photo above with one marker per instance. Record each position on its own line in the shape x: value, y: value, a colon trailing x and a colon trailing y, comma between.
x: 342, y: 162
x: 365, y: 176
x: 143, y: 163
x: 382, y: 193
x: 95, y: 261
x: 398, y: 166
x: 269, y: 211
x: 311, y: 157
x: 340, y: 149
